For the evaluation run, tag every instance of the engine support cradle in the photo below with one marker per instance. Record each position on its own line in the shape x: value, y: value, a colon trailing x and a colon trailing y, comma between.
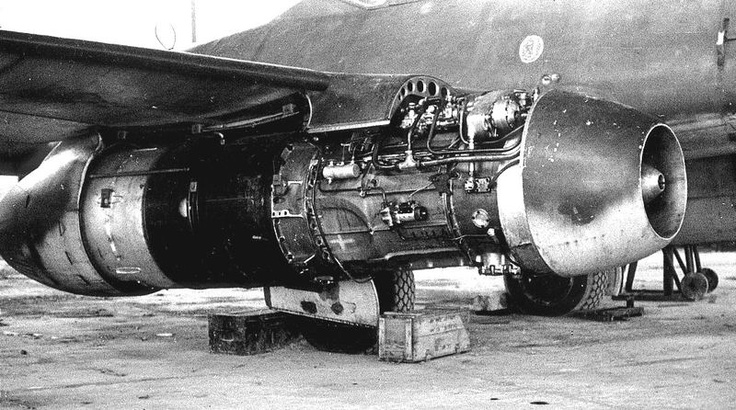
x: 345, y: 301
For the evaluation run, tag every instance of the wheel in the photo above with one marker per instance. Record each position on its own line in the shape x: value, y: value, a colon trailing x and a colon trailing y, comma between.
x: 396, y: 292
x: 552, y: 295
x: 712, y: 277
x: 694, y: 286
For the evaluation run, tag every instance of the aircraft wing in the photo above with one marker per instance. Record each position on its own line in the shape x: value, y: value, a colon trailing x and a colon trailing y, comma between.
x: 53, y: 88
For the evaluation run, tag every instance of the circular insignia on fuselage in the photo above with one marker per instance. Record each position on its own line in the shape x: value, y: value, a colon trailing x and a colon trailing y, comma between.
x: 530, y: 49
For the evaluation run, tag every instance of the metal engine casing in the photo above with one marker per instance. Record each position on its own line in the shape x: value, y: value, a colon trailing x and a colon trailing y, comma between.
x: 131, y: 220
x: 334, y: 227
x: 41, y: 232
x: 187, y: 215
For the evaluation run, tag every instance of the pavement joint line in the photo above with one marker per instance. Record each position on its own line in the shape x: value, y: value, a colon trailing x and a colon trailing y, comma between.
x: 107, y: 383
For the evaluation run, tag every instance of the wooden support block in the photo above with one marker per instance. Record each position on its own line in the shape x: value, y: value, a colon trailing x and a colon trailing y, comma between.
x: 423, y: 335
x: 495, y: 301
x: 251, y: 332
x: 611, y: 314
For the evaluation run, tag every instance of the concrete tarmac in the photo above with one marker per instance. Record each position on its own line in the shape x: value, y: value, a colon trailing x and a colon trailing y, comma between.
x: 65, y: 351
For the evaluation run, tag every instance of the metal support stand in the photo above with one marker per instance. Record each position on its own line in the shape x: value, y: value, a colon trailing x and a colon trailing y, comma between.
x: 669, y: 277
x: 695, y: 283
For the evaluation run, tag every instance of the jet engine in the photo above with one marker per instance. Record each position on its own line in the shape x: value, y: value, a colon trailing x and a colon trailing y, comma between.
x: 557, y: 182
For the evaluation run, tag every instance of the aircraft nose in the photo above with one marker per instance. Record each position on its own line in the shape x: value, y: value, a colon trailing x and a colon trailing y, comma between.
x: 653, y: 183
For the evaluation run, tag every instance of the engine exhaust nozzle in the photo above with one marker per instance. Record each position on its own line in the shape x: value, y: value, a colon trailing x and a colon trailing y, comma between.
x: 653, y: 183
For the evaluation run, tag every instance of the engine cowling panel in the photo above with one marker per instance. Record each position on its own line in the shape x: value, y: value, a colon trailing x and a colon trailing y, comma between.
x: 582, y: 193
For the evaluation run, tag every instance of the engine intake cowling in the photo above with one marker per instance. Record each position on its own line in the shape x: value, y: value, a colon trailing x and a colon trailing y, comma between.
x: 599, y: 184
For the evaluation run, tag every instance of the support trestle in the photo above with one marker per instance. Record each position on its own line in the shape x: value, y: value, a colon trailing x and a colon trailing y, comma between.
x: 695, y: 283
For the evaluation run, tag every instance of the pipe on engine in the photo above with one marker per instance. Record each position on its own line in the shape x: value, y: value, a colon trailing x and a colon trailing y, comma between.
x: 599, y: 185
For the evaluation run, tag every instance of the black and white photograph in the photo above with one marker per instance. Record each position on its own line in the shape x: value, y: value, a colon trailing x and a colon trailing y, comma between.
x: 367, y: 204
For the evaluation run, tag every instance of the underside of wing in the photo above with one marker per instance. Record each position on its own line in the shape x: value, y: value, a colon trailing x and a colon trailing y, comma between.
x: 53, y: 88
